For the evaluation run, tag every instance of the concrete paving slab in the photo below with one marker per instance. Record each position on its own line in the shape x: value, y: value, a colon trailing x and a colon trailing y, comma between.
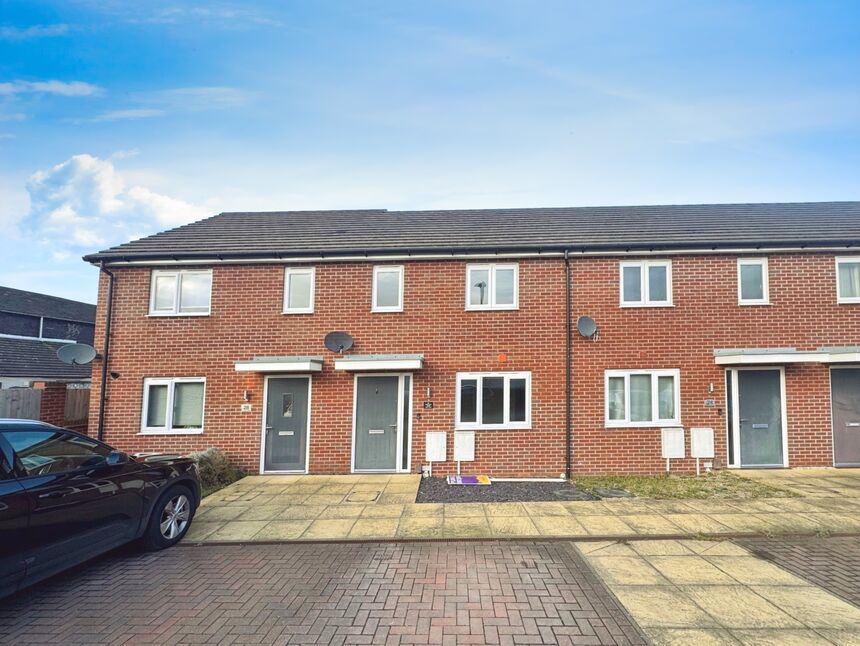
x: 781, y: 638
x: 626, y: 570
x: 237, y: 530
x: 379, y: 528
x: 512, y: 526
x: 750, y: 570
x: 328, y: 529
x: 662, y: 607
x: 689, y: 570
x: 559, y: 526
x: 691, y: 637
x: 282, y: 530
x: 812, y: 606
x: 736, y: 606
x: 660, y: 548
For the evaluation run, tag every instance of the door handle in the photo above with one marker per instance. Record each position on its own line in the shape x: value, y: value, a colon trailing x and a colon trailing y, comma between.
x: 52, y: 494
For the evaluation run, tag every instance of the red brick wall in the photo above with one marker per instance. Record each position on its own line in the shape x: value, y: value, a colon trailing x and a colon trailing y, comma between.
x: 246, y: 321
x: 52, y: 408
x: 706, y: 315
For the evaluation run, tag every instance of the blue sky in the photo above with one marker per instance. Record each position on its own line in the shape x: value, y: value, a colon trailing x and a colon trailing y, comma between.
x: 119, y: 119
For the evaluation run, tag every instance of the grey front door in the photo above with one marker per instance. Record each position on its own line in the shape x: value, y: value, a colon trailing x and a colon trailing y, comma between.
x: 376, y: 423
x: 845, y: 397
x: 760, y: 418
x: 286, y: 424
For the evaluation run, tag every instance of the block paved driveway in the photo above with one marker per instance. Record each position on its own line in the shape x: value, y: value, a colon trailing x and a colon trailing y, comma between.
x: 358, y: 593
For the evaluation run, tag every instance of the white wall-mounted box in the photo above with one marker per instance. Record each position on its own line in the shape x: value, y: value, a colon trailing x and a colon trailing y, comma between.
x: 702, y: 442
x: 436, y: 444
x: 464, y: 446
x: 672, y: 441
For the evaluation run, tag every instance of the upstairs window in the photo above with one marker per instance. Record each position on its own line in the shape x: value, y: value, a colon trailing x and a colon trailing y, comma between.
x: 642, y: 398
x: 752, y: 281
x: 387, y: 288
x: 173, y: 405
x: 493, y: 400
x: 185, y: 292
x: 299, y: 290
x: 848, y: 280
x: 646, y: 283
x: 492, y: 287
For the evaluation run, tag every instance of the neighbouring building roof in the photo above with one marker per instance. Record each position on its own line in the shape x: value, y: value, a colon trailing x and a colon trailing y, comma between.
x: 321, y: 233
x: 33, y: 304
x: 38, y: 360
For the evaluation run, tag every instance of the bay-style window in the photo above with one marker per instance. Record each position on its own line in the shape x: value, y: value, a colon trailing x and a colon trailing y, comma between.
x: 752, y: 281
x: 492, y: 286
x: 299, y: 290
x: 642, y: 398
x: 387, y: 293
x: 173, y: 405
x: 848, y: 280
x: 487, y: 400
x: 646, y: 283
x: 186, y: 292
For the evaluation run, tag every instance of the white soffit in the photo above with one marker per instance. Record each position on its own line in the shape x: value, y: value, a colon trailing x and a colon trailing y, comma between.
x: 379, y: 362
x: 280, y: 364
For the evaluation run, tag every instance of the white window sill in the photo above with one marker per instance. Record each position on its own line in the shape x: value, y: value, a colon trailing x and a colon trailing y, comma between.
x: 386, y: 310
x: 176, y: 314
x: 298, y: 312
x: 505, y: 308
x: 661, y: 424
x: 181, y: 431
x: 846, y: 301
x: 495, y: 427
x: 641, y: 305
x: 753, y: 303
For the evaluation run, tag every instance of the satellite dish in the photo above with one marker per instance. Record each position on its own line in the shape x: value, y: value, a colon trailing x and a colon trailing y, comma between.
x: 586, y: 326
x: 77, y: 354
x: 338, y: 341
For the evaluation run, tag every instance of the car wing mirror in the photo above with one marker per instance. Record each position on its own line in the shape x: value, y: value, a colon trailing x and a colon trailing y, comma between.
x: 115, y: 458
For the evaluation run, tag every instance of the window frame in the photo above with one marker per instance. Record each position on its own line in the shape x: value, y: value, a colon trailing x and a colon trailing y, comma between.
x: 506, y: 423
x: 655, y: 393
x: 175, y: 310
x: 290, y: 271
x: 765, y: 279
x: 492, y: 268
x: 644, y: 283
x: 379, y: 269
x: 168, y: 429
x: 840, y: 299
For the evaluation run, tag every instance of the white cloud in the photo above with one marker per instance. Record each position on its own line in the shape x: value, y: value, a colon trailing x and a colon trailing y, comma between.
x: 34, y: 31
x: 194, y: 99
x: 122, y: 115
x: 84, y: 203
x: 61, y: 88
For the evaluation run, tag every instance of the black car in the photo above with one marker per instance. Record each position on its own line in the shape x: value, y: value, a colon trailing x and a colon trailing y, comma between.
x: 65, y: 498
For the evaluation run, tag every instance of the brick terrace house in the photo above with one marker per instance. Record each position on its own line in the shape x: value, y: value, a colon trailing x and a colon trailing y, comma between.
x: 740, y: 318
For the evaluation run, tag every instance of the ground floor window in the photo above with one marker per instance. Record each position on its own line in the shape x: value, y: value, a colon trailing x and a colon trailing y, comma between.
x: 642, y: 398
x: 173, y: 405
x: 493, y: 400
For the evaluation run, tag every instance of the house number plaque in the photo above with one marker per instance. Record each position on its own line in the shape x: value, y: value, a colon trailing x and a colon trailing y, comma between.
x: 428, y: 405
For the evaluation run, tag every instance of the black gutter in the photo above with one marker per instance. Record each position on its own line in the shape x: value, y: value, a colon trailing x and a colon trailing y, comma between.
x: 105, y: 350
x: 568, y: 364
x: 704, y: 247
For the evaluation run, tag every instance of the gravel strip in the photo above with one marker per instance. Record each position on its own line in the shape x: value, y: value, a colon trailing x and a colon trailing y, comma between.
x: 438, y: 490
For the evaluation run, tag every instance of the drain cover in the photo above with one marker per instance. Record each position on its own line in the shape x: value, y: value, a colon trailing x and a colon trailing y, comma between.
x: 572, y: 494
x: 362, y: 496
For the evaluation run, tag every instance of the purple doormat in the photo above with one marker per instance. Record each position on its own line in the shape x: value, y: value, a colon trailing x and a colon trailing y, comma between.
x: 469, y: 480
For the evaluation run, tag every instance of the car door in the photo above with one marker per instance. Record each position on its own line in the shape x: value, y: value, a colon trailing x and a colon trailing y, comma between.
x: 80, y: 506
x: 14, y: 516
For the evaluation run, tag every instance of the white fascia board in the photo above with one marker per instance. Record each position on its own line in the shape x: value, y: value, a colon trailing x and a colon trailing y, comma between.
x: 279, y: 366
x: 766, y: 358
x: 380, y: 365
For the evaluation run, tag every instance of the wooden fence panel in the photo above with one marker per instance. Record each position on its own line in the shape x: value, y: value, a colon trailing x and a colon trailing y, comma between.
x: 20, y: 403
x: 77, y: 405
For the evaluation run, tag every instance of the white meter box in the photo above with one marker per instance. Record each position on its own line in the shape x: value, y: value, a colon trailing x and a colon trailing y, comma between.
x: 672, y: 443
x: 436, y: 445
x: 702, y: 442
x: 464, y: 446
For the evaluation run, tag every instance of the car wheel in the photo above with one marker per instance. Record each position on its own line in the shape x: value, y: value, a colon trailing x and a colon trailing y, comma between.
x: 170, y: 518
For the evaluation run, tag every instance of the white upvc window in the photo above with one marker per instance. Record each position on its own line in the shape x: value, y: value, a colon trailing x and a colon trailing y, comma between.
x: 848, y: 279
x: 753, y: 281
x: 387, y: 293
x: 646, y: 283
x: 642, y: 398
x: 493, y: 400
x: 492, y: 286
x: 186, y: 292
x: 299, y: 290
x: 173, y: 405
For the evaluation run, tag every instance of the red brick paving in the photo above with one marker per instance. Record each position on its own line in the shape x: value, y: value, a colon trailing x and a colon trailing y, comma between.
x: 830, y: 563
x: 372, y: 593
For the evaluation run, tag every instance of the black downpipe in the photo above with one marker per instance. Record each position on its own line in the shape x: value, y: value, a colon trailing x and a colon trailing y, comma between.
x: 568, y: 360
x: 105, y: 350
